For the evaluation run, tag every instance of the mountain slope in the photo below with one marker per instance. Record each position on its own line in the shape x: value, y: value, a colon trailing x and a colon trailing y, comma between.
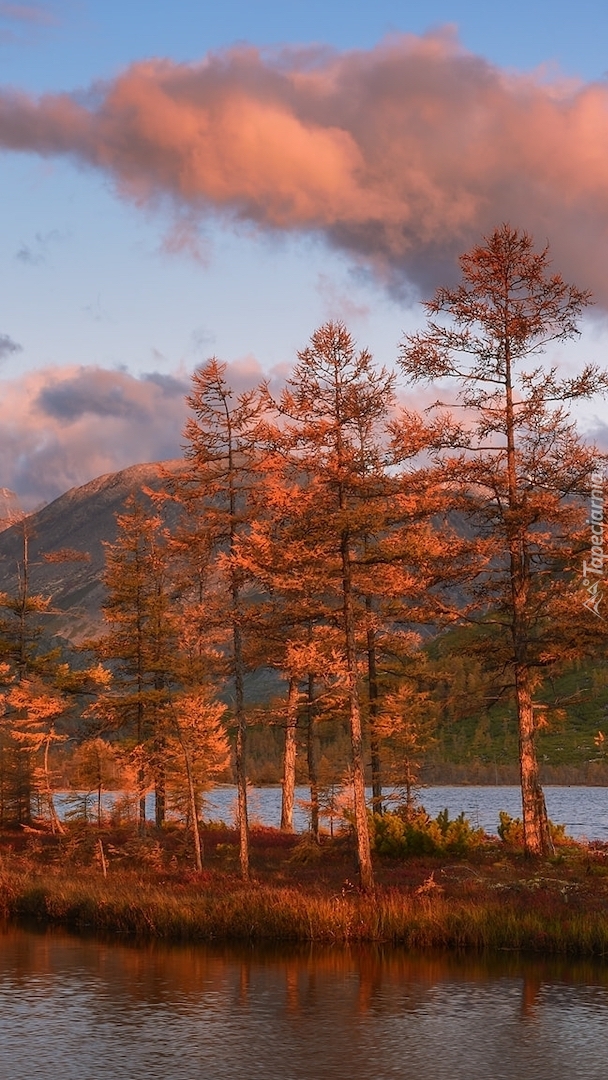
x: 80, y: 521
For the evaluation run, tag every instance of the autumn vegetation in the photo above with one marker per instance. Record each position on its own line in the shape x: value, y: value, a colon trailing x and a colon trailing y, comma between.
x: 362, y: 557
x: 491, y: 898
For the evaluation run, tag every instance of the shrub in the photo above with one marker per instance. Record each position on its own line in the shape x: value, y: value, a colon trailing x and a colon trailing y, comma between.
x: 511, y: 831
x: 412, y: 832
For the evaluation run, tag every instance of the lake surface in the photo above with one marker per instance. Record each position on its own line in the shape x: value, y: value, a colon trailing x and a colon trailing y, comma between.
x: 83, y: 1009
x: 584, y: 810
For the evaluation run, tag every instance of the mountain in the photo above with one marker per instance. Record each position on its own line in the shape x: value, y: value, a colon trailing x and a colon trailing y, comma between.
x: 78, y: 521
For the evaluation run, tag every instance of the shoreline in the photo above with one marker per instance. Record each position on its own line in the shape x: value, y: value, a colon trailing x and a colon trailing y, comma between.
x: 489, y: 901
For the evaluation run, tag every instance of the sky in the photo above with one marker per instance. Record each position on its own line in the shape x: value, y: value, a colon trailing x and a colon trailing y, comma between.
x: 191, y: 179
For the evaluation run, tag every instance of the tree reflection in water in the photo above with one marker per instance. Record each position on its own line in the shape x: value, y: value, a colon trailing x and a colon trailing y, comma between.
x: 79, y: 1008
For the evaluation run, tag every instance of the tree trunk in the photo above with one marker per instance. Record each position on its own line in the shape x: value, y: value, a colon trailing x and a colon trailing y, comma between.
x: 141, y: 821
x: 193, y: 808
x: 366, y: 872
x: 160, y: 801
x: 240, y: 754
x: 160, y: 750
x: 537, y: 838
x: 160, y: 794
x: 196, y: 832
x: 56, y: 825
x: 374, y: 737
x: 289, y: 758
x: 311, y: 758
x: 141, y: 773
x: 537, y: 835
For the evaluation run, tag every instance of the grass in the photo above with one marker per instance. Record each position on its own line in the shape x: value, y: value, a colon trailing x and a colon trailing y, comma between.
x: 492, y: 900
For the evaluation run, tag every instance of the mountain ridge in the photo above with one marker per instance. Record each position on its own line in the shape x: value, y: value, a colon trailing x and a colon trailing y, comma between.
x: 80, y: 520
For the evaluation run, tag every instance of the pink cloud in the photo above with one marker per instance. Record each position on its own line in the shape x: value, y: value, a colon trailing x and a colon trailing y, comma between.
x: 401, y: 156
x: 62, y: 427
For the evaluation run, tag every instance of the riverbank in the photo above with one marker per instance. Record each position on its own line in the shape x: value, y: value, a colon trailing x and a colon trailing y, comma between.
x: 492, y: 900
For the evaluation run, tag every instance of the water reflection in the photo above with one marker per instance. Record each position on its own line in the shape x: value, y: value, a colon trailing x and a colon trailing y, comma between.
x: 83, y: 1008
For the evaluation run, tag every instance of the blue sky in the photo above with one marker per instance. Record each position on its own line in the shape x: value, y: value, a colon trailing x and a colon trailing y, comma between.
x: 73, y: 42
x: 113, y: 291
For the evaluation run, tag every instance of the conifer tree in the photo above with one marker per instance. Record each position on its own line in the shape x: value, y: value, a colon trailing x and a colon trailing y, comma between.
x: 96, y: 768
x: 292, y: 620
x: 216, y: 489
x: 514, y: 465
x: 155, y: 646
x: 140, y: 643
x: 40, y: 691
x: 199, y: 747
x: 333, y: 413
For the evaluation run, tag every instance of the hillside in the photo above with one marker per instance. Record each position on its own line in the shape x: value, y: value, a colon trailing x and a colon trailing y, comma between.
x: 80, y: 521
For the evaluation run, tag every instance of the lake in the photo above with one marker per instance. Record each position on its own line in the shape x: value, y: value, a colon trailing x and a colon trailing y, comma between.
x: 584, y: 810
x: 85, y: 1009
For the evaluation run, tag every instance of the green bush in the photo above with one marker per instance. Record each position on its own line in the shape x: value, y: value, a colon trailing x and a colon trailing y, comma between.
x: 511, y: 831
x: 410, y: 831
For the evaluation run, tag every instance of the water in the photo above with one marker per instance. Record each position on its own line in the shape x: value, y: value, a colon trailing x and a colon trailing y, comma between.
x: 583, y: 810
x: 82, y: 1009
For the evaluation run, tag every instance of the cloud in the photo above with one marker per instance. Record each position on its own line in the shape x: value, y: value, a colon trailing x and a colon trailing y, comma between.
x: 8, y: 347
x: 21, y: 23
x: 400, y: 156
x: 337, y: 303
x: 28, y: 13
x: 184, y: 238
x: 596, y: 431
x: 93, y: 392
x: 34, y: 254
x: 62, y: 427
x: 202, y: 338
x: 170, y: 385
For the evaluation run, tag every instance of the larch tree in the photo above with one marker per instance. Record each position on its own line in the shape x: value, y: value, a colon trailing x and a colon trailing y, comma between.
x: 139, y: 645
x: 21, y: 615
x: 215, y: 489
x: 407, y: 721
x: 292, y: 617
x: 96, y: 769
x: 402, y: 563
x: 36, y: 710
x: 40, y: 690
x: 159, y: 692
x: 198, y: 747
x: 333, y: 414
x: 513, y: 465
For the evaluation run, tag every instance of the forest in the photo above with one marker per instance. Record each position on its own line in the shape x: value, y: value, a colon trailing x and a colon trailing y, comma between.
x: 332, y: 585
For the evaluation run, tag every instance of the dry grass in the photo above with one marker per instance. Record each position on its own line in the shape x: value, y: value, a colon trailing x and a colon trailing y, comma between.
x: 492, y: 901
